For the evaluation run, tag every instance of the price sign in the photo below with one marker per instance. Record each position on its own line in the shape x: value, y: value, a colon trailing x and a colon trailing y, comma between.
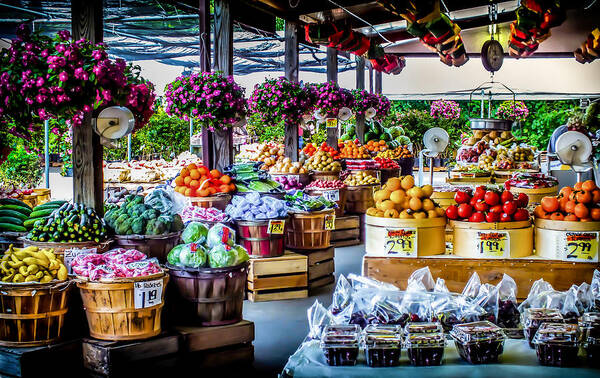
x: 401, y: 242
x: 332, y: 195
x: 493, y: 244
x: 580, y: 246
x: 276, y: 226
x: 148, y: 293
x: 331, y: 123
x: 329, y: 222
x: 71, y: 253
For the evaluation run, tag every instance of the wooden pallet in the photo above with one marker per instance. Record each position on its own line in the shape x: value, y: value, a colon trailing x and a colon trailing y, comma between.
x: 457, y: 271
x: 278, y: 278
x: 347, y: 231
x: 63, y: 359
x: 321, y: 266
x: 195, y: 339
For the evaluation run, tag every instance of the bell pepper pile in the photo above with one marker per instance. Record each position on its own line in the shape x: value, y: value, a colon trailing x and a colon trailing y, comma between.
x: 384, y: 163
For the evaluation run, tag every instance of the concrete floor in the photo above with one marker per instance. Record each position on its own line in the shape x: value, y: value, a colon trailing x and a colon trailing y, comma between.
x: 280, y: 326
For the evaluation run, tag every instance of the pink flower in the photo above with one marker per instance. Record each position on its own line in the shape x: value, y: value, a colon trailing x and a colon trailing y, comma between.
x: 63, y: 76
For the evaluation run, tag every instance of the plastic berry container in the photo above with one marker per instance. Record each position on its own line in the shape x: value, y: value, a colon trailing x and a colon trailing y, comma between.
x: 589, y: 324
x: 340, y: 344
x: 557, y: 344
x: 592, y: 348
x: 383, y: 345
x: 425, y: 349
x: 423, y: 327
x: 532, y: 318
x: 479, y: 342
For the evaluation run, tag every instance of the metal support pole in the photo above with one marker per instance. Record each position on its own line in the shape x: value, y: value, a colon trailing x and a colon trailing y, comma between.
x: 482, y: 102
x: 490, y: 104
x: 192, y: 132
x: 46, y: 155
x: 129, y: 147
x: 431, y: 170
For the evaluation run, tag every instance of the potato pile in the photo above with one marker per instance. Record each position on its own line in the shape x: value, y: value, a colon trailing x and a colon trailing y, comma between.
x: 269, y: 153
x: 287, y: 166
x: 361, y: 178
x: 400, y: 198
x: 494, y: 136
x: 522, y: 153
x: 322, y: 161
x: 31, y: 264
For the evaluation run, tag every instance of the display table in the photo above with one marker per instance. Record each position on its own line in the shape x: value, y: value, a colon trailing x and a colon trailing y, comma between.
x: 518, y: 360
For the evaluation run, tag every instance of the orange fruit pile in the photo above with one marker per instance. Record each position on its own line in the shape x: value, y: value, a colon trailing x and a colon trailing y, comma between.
x: 198, y: 181
x: 578, y: 203
x: 376, y: 146
x: 351, y: 150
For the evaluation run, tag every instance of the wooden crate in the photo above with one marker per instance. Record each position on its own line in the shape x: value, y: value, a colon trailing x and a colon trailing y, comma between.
x: 195, y: 339
x: 457, y: 271
x: 278, y: 278
x: 321, y: 266
x: 63, y: 359
x: 347, y: 231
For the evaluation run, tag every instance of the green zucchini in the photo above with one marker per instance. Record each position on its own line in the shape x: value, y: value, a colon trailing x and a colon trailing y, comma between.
x: 13, y: 213
x: 11, y: 220
x: 51, y: 204
x: 13, y: 201
x: 20, y: 209
x: 46, y: 206
x: 41, y: 213
x: 29, y: 223
x: 12, y: 227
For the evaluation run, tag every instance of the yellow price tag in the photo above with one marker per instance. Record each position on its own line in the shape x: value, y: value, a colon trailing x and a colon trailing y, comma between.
x: 401, y: 242
x: 276, y: 226
x: 581, y: 246
x: 493, y: 244
x: 331, y: 123
x: 329, y: 222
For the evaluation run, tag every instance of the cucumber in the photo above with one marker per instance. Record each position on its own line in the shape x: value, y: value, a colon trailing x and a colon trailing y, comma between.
x: 45, y: 207
x: 13, y: 201
x: 12, y: 227
x: 14, y: 214
x: 29, y: 223
x: 20, y: 209
x: 41, y: 213
x: 11, y: 220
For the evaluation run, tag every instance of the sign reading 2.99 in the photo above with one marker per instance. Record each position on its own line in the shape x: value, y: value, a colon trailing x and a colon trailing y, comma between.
x: 581, y: 246
x: 401, y: 242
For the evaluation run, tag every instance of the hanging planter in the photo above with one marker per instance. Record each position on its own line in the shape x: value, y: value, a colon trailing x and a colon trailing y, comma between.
x: 212, y: 99
x: 277, y: 100
x: 330, y: 99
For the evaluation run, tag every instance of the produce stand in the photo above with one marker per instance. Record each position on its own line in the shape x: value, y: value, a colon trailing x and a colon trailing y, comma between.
x: 518, y: 360
x: 456, y: 271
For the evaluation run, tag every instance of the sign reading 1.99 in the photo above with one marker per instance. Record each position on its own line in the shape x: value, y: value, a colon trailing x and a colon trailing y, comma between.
x: 493, y: 244
x: 401, y: 242
x: 581, y: 246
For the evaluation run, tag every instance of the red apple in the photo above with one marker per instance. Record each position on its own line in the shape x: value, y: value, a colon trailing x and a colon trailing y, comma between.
x: 506, y: 196
x: 522, y: 200
x: 510, y: 207
x: 462, y: 197
x: 477, y: 217
x: 505, y: 217
x: 481, y: 206
x: 465, y: 210
x: 492, y: 217
x: 521, y: 215
x: 496, y: 209
x: 491, y: 198
x: 452, y: 212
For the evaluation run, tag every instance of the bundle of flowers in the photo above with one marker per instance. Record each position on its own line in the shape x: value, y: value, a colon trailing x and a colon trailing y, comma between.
x: 514, y: 111
x: 447, y: 109
x: 383, y: 106
x: 363, y: 100
x: 43, y: 77
x: 278, y: 100
x: 214, y: 100
x: 330, y: 98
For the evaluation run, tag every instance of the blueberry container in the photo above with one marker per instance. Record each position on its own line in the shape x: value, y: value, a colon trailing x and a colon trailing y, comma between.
x: 425, y: 349
x: 423, y: 327
x: 532, y: 318
x: 479, y: 342
x: 383, y: 345
x: 340, y: 344
x: 557, y: 344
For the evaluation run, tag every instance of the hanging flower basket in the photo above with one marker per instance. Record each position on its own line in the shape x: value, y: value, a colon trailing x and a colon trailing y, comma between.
x: 277, y: 100
x: 330, y: 99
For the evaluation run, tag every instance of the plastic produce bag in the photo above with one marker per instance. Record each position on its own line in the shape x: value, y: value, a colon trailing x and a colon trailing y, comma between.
x: 570, y: 310
x: 192, y: 256
x: 488, y: 300
x: 195, y: 232
x: 342, y: 296
x: 318, y: 319
x: 165, y: 201
x: 447, y: 309
x: 362, y: 298
x: 241, y: 254
x: 472, y: 287
x: 220, y: 234
x: 420, y: 279
x: 585, y: 298
x: 415, y: 307
x: 440, y: 286
x: 222, y: 256
x: 173, y: 256
x: 386, y: 309
x: 508, y: 313
x: 538, y: 287
x: 359, y: 282
x: 595, y: 287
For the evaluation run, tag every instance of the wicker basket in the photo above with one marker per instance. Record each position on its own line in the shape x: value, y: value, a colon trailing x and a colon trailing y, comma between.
x: 341, y: 202
x: 208, y: 296
x: 157, y: 246
x: 306, y: 231
x: 33, y: 314
x: 255, y: 237
x: 359, y: 198
x: 60, y: 248
x: 219, y: 201
x: 110, y: 308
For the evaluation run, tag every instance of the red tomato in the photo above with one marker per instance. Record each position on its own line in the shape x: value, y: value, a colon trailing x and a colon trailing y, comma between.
x: 452, y: 212
x: 477, y: 217
x: 522, y: 200
x: 505, y: 217
x: 510, y: 207
x: 496, y: 209
x: 491, y: 198
x: 465, y: 210
x: 492, y: 217
x: 506, y: 196
x: 479, y: 192
x: 462, y: 197
x: 481, y: 206
x: 521, y: 215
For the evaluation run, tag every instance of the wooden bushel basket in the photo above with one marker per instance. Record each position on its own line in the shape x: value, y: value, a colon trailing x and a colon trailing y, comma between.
x: 307, y: 230
x: 110, y: 308
x: 60, y: 248
x: 359, y: 199
x: 325, y: 176
x: 157, y: 246
x: 208, y: 296
x: 255, y: 237
x: 218, y: 201
x: 341, y: 203
x: 32, y: 314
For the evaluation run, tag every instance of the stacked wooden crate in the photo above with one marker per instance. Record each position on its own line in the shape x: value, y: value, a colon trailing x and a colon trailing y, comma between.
x: 277, y: 278
x: 347, y: 231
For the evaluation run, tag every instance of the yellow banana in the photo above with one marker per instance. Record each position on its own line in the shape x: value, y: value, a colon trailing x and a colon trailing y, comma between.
x: 62, y: 273
x: 32, y: 269
x: 18, y: 278
x: 31, y: 278
x: 23, y: 270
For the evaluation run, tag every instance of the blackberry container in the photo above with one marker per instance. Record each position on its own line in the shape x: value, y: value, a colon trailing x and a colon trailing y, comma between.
x: 383, y: 345
x: 340, y: 344
x: 425, y: 349
x: 479, y: 342
x: 589, y: 324
x: 592, y: 348
x: 557, y: 344
x: 423, y: 327
x: 532, y: 318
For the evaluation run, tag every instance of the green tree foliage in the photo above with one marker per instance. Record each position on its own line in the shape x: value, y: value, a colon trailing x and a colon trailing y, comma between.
x: 257, y: 129
x: 21, y: 168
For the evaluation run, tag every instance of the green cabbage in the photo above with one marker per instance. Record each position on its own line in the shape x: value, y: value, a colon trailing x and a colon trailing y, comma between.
x: 195, y: 232
x: 192, y: 256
